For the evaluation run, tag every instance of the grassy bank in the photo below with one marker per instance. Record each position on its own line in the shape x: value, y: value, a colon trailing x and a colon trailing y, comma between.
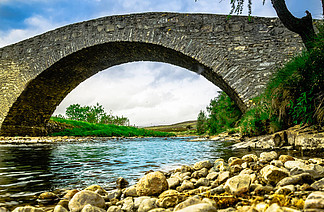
x: 80, y: 128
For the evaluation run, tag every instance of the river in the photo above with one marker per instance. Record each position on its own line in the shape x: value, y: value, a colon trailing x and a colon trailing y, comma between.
x: 26, y: 170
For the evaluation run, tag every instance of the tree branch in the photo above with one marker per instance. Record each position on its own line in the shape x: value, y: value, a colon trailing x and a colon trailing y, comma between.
x: 302, y: 26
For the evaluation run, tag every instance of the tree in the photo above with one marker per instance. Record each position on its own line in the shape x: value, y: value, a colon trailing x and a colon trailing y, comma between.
x: 223, y: 113
x: 76, y: 112
x: 94, y: 114
x: 201, y: 123
x: 302, y: 26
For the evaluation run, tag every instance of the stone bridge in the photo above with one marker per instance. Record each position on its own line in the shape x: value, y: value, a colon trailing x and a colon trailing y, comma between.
x: 235, y: 54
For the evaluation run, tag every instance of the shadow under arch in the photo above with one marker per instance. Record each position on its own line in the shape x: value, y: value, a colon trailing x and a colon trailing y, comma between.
x: 34, y: 107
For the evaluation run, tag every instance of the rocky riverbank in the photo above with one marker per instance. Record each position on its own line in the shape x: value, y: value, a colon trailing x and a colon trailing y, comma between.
x: 295, y: 138
x: 266, y: 182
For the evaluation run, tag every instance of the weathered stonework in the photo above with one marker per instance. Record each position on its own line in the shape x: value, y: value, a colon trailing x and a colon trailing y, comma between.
x: 236, y: 55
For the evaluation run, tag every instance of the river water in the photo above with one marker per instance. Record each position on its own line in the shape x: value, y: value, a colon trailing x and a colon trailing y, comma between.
x: 26, y: 170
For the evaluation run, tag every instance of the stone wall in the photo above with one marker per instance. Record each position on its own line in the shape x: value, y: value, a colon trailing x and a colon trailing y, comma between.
x: 235, y: 54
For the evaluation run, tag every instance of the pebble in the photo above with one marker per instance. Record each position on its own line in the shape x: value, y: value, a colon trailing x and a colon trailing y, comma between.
x: 268, y: 183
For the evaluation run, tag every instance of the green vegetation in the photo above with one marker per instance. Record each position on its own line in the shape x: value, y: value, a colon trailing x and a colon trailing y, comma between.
x: 295, y: 95
x: 223, y: 114
x: 81, y: 128
x: 94, y: 114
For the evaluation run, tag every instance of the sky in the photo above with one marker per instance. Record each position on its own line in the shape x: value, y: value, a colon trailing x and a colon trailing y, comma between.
x: 148, y: 93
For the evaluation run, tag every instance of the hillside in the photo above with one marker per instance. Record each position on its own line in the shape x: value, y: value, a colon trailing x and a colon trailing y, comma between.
x: 187, y: 126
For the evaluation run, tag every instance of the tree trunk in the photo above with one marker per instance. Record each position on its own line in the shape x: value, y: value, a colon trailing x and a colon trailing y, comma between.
x: 302, y: 26
x: 323, y: 8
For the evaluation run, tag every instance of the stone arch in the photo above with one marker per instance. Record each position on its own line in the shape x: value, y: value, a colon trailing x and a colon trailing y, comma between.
x: 236, y: 54
x: 33, y: 108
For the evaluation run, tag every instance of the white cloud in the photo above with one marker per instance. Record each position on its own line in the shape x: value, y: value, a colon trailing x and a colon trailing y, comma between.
x: 35, y: 25
x: 145, y: 92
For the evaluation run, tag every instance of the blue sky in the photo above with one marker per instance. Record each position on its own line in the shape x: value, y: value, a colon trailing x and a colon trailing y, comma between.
x: 145, y: 92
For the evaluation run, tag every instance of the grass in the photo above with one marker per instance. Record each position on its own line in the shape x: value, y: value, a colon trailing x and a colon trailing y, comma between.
x: 82, y: 129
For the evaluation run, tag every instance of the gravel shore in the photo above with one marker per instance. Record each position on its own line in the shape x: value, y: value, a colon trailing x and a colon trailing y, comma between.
x: 266, y: 182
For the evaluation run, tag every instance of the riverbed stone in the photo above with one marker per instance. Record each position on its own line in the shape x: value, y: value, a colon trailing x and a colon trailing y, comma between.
x: 315, y: 170
x: 285, y: 158
x: 83, y: 198
x: 296, y: 179
x: 60, y: 208
x: 70, y: 194
x: 262, y: 190
x: 268, y: 156
x: 147, y: 205
x: 285, y: 190
x: 3, y: 209
x: 203, y: 164
x: 273, y: 174
x: 202, y: 207
x: 169, y: 198
x: 222, y: 177
x: 47, y: 198
x: 91, y: 208
x: 318, y: 185
x: 315, y: 201
x: 250, y: 158
x: 151, y: 184
x: 173, y: 182
x: 295, y: 164
x: 235, y: 161
x: 28, y: 209
x: 121, y: 183
x: 113, y: 194
x: 238, y: 185
x: 128, y: 204
x: 212, y: 175
x: 202, y: 182
x: 131, y: 191
x: 139, y: 200
x: 190, y: 201
x: 200, y: 173
x: 114, y: 209
x: 185, y: 185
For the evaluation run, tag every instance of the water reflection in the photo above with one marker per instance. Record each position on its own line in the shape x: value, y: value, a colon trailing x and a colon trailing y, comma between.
x: 24, y: 172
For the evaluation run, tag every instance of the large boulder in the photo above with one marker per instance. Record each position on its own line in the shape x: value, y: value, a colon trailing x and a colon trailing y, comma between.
x: 272, y: 174
x: 238, y: 185
x: 83, y: 198
x: 152, y: 184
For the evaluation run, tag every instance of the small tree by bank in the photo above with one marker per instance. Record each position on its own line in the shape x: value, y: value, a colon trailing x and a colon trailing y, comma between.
x: 223, y: 114
x: 202, y: 123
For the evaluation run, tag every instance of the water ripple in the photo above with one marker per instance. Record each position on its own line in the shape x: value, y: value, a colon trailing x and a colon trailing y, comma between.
x: 28, y: 170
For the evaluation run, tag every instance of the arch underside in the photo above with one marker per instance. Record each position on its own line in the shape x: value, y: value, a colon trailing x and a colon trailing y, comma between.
x: 34, y: 107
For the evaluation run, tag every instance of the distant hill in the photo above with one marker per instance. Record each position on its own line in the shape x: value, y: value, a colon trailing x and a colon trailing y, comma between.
x: 178, y: 127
